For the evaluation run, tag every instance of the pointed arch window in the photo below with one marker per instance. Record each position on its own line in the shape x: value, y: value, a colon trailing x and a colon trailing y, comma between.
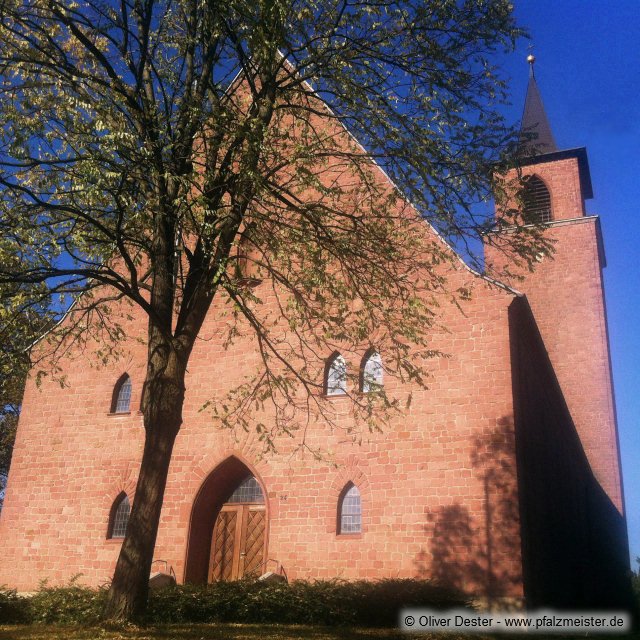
x: 336, y: 376
x: 372, y: 372
x: 536, y: 200
x: 349, y: 510
x: 119, y: 517
x: 121, y: 400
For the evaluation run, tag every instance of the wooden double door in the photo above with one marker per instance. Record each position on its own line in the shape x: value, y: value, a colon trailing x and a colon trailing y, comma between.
x: 238, y: 542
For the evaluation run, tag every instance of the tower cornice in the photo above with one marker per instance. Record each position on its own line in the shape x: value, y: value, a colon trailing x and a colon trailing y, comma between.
x: 579, y: 153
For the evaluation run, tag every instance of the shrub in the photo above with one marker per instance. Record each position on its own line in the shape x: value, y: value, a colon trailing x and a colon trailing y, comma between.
x: 13, y: 608
x: 71, y: 604
x: 328, y: 602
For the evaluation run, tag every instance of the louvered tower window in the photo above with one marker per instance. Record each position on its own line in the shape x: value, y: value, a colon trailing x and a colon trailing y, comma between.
x: 536, y: 200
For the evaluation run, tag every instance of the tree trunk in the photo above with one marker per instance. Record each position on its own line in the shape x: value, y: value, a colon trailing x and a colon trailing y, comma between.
x: 127, y: 597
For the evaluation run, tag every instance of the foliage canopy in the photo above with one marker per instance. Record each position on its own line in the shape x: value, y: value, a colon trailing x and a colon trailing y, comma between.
x: 169, y: 153
x: 23, y: 317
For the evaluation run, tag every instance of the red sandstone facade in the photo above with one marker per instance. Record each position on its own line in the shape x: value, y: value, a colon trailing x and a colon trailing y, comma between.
x: 502, y: 478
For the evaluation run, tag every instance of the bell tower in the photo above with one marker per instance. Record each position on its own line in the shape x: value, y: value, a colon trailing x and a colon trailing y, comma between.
x: 565, y: 291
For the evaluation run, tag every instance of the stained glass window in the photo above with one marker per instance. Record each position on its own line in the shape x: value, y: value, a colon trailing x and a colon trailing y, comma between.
x: 120, y: 518
x: 247, y: 491
x: 349, y: 511
x: 122, y: 401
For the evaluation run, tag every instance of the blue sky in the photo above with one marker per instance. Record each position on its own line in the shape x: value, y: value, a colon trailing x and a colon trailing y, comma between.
x: 588, y: 72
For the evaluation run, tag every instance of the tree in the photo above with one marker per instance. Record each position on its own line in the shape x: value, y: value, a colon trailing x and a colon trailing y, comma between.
x: 11, y: 395
x: 169, y: 154
x: 11, y: 385
x: 23, y: 317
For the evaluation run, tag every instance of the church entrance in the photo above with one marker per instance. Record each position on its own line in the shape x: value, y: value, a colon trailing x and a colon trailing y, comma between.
x: 238, y: 541
x: 229, y: 526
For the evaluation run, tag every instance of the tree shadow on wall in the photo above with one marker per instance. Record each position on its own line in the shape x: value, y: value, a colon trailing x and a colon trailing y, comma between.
x: 474, y: 546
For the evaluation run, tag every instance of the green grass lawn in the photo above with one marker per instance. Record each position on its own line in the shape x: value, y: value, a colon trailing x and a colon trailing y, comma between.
x: 209, y: 632
x: 243, y: 632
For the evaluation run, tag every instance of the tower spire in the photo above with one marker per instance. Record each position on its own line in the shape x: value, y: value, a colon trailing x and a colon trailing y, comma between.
x: 535, y: 132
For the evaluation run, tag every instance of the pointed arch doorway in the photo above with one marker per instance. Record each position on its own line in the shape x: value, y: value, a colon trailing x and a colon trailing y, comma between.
x: 238, y: 541
x: 229, y: 526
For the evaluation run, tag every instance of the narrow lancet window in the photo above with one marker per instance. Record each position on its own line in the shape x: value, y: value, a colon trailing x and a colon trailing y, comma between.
x: 336, y: 376
x: 349, y: 510
x: 372, y: 373
x: 119, y: 517
x: 121, y: 401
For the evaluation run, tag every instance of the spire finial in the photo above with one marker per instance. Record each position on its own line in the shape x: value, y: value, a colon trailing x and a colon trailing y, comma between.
x: 531, y: 59
x: 537, y: 138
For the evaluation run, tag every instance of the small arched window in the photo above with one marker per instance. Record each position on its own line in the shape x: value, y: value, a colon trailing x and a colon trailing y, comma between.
x: 121, y: 400
x: 349, y: 510
x: 536, y: 200
x: 372, y: 374
x: 119, y: 517
x: 336, y: 376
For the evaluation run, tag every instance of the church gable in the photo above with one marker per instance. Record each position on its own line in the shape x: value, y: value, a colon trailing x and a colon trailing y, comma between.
x: 433, y: 489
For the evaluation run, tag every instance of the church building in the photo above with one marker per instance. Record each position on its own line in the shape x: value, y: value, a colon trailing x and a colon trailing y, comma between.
x: 501, y: 477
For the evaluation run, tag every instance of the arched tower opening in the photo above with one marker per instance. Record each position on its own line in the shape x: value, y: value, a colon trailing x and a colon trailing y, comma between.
x: 536, y: 200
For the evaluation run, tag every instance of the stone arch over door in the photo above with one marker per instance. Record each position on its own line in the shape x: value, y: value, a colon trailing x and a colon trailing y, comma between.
x: 211, y: 512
